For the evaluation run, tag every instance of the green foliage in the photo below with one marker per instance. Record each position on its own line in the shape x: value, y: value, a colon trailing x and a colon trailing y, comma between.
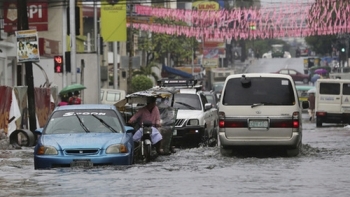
x: 140, y: 83
x: 321, y: 44
x: 159, y: 45
x: 147, y: 71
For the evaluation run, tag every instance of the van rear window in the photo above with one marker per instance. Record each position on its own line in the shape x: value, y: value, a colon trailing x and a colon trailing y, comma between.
x: 267, y: 91
x: 346, y: 88
x: 330, y: 88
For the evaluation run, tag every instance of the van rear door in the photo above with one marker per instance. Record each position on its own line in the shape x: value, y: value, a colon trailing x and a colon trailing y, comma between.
x: 329, y: 97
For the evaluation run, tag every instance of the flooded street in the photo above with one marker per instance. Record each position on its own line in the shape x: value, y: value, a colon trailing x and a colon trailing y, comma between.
x: 322, y: 169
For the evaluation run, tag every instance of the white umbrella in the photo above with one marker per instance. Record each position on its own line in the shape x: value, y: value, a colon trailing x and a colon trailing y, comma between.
x: 312, y: 90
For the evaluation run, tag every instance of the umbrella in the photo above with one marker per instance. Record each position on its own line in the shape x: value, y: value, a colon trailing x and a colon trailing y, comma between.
x: 312, y: 90
x: 314, y: 78
x: 72, y: 88
x: 321, y: 71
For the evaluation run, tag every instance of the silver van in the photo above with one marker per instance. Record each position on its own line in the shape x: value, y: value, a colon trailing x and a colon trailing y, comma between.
x: 260, y: 109
x: 111, y: 96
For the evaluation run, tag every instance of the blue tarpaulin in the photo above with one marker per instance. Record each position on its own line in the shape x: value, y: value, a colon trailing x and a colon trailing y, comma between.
x: 177, y: 72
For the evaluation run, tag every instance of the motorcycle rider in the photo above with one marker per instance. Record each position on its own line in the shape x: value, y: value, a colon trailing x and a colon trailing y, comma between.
x: 148, y: 113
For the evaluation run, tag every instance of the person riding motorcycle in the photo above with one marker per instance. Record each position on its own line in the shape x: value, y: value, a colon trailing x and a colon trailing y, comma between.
x: 148, y: 113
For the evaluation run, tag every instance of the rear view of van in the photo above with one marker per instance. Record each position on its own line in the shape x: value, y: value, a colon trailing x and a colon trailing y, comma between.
x: 260, y: 109
x: 332, y: 101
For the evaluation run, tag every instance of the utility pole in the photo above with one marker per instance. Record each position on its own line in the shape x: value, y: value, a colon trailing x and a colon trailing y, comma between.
x: 131, y: 53
x: 22, y: 24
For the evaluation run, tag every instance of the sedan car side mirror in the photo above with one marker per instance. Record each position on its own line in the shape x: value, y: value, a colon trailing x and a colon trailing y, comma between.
x: 39, y: 131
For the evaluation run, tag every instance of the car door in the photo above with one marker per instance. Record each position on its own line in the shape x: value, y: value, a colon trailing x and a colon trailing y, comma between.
x: 209, y: 115
x: 294, y: 75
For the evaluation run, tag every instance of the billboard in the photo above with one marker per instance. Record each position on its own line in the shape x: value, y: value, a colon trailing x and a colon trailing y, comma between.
x: 37, y: 16
x: 113, y: 20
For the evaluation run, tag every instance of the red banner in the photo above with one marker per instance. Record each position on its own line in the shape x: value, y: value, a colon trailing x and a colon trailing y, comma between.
x: 42, y: 105
x: 5, y: 105
x: 37, y: 16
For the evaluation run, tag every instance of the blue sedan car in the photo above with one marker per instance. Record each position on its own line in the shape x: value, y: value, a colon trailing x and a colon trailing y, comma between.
x: 84, y: 136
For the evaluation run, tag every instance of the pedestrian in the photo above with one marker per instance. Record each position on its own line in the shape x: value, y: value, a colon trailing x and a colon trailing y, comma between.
x: 311, y: 109
x: 64, y: 100
x: 74, y: 100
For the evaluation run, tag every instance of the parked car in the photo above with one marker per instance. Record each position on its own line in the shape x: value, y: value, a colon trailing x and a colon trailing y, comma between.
x: 296, y: 76
x: 260, y: 110
x: 84, y: 135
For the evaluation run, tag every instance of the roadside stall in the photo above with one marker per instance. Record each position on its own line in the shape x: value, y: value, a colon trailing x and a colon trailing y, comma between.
x: 133, y: 102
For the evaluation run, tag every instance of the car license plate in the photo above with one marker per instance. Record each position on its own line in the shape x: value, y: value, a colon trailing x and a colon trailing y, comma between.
x: 258, y: 124
x: 175, y: 132
x: 84, y: 163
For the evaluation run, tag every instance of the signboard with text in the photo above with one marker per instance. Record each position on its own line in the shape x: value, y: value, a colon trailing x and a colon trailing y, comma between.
x: 37, y: 16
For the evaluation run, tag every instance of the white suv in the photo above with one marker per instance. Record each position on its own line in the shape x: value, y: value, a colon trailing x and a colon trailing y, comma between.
x: 196, y: 120
x: 260, y: 109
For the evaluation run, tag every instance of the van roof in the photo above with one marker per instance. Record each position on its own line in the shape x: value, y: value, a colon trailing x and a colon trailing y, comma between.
x: 260, y: 75
x: 334, y: 80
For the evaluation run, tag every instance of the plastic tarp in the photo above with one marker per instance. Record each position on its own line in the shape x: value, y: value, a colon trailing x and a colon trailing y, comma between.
x: 176, y: 72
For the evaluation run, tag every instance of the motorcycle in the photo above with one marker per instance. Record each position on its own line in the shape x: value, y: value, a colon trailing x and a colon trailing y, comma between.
x: 145, y: 151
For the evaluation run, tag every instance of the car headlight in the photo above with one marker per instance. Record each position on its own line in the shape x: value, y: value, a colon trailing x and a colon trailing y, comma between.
x: 116, y: 148
x: 47, y: 150
x: 193, y: 122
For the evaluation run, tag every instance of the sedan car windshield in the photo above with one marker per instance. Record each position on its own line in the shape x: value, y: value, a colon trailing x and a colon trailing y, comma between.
x: 81, y: 121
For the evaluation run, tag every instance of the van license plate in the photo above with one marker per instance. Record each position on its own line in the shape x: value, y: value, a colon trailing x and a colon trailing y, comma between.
x: 258, y: 124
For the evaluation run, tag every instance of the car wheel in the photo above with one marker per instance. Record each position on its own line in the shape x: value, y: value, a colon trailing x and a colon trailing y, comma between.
x: 306, y: 81
x: 318, y: 122
x: 225, y: 151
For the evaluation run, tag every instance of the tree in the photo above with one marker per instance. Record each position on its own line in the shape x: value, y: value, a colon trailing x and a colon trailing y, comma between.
x: 140, y: 83
x: 321, y: 44
x: 158, y: 46
x: 147, y: 71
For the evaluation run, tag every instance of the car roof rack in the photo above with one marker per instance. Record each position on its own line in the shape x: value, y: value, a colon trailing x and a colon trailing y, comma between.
x: 180, y: 83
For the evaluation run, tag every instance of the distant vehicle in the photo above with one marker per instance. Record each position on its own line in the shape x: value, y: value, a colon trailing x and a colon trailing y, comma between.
x: 302, y: 91
x: 302, y: 52
x: 260, y: 110
x: 332, y: 101
x: 212, y: 98
x: 277, y: 50
x: 112, y: 96
x: 84, y: 136
x: 218, y: 76
x: 267, y: 55
x: 297, y: 76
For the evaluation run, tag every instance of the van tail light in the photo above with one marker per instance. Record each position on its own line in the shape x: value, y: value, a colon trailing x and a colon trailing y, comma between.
x: 221, y: 119
x: 296, y: 119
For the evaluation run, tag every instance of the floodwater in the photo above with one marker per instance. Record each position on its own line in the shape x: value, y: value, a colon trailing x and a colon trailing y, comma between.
x: 322, y: 169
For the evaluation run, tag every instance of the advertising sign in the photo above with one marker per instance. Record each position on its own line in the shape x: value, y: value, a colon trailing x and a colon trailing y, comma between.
x: 27, y: 46
x: 37, y: 16
x: 113, y: 20
x: 205, y: 5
